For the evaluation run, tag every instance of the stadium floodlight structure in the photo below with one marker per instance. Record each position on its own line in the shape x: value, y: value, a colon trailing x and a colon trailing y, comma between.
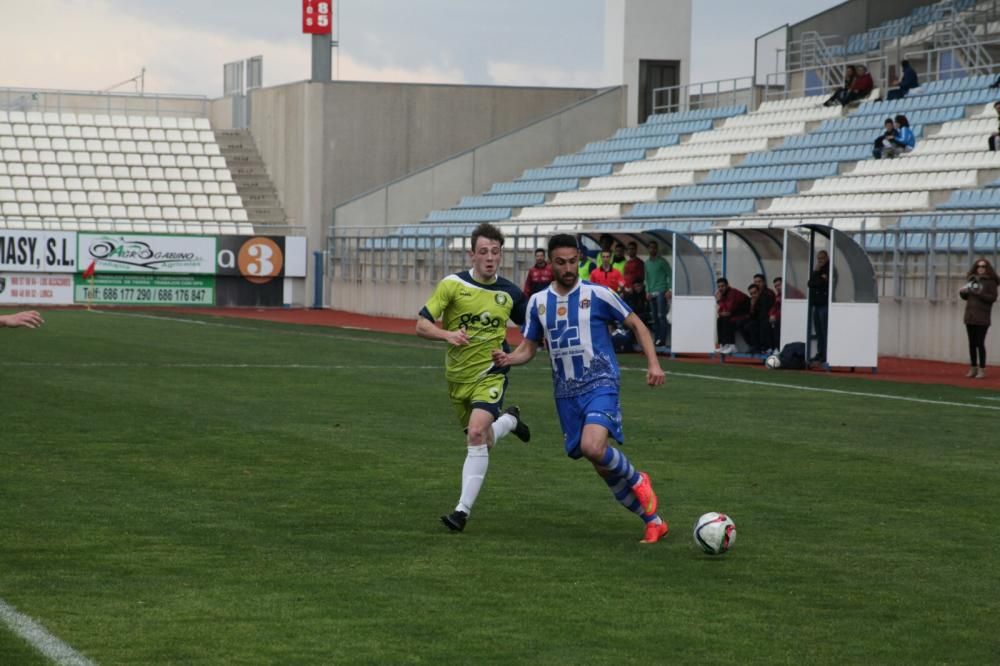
x: 692, y: 309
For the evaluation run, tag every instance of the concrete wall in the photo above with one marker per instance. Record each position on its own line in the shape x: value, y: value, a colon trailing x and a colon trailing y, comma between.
x: 287, y: 124
x: 409, y: 199
x: 326, y: 143
x: 637, y: 30
x: 917, y: 328
x: 378, y: 132
x: 909, y: 328
x: 220, y: 113
x: 125, y: 104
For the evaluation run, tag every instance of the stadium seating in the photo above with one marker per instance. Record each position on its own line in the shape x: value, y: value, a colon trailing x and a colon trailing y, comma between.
x: 102, y: 172
x: 792, y: 157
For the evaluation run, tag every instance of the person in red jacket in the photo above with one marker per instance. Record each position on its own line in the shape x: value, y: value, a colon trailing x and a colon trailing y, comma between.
x: 860, y: 88
x: 539, y: 275
x: 635, y: 277
x: 607, y: 275
x: 733, y: 308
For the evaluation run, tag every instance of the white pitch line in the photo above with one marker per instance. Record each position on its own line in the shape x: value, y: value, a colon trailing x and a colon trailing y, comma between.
x: 856, y: 394
x: 39, y: 638
x: 883, y: 396
x: 221, y: 366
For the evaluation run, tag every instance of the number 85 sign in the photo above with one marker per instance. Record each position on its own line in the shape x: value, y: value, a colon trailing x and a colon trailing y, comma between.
x: 316, y: 17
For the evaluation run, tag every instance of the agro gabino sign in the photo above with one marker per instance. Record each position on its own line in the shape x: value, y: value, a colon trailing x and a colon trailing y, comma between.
x: 147, y: 254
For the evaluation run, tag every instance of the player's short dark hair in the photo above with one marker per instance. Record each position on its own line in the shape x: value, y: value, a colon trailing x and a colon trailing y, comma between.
x: 562, y: 240
x: 777, y: 279
x: 722, y: 281
x: 486, y: 230
x: 539, y: 249
x: 761, y: 276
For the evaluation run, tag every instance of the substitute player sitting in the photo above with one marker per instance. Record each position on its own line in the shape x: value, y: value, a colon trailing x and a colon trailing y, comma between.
x: 573, y: 317
x: 475, y: 306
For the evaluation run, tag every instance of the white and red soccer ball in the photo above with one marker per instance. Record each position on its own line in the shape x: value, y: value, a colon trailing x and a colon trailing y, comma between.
x: 715, y: 533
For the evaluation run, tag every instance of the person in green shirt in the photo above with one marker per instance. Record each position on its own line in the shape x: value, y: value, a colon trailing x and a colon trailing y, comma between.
x: 659, y: 277
x: 474, y: 306
x: 618, y: 258
x: 586, y: 263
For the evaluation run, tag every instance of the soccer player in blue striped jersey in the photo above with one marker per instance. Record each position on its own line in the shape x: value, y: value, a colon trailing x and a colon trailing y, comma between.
x: 474, y: 306
x: 573, y: 317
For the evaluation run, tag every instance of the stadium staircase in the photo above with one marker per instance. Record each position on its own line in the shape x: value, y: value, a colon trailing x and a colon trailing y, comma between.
x: 253, y: 184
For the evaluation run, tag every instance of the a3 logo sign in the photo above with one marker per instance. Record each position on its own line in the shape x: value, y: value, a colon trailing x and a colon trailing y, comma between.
x: 260, y: 260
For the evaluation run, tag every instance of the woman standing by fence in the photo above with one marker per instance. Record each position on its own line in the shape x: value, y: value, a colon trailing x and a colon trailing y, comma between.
x: 979, y: 294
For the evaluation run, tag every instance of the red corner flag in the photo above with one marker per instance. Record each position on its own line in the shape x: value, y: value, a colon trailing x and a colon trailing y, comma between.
x: 89, y: 273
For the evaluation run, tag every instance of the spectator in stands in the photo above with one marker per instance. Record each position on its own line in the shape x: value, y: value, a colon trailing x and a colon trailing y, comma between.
x: 25, y: 319
x: 979, y: 294
x: 860, y: 88
x: 884, y: 138
x: 607, y: 275
x: 659, y: 282
x: 587, y: 264
x: 819, y: 303
x: 774, y: 317
x: 995, y: 137
x: 905, y: 84
x: 850, y: 73
x: 903, y: 142
x: 732, y: 308
x: 539, y: 275
x: 635, y: 275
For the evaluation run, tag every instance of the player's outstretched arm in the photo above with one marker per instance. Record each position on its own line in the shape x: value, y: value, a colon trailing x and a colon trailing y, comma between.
x: 429, y: 330
x: 654, y: 373
x: 26, y: 319
x: 524, y: 353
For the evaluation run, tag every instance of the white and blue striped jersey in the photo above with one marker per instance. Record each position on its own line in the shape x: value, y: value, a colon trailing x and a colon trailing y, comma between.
x: 576, y: 328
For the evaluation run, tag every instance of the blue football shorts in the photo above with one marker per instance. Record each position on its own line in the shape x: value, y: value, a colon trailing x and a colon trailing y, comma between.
x: 600, y: 407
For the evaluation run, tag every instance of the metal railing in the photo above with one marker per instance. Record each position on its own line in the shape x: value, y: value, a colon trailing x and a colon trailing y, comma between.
x: 704, y: 95
x: 111, y: 103
x: 926, y: 263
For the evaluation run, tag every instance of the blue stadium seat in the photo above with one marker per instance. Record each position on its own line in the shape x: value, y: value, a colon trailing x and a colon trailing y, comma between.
x: 469, y: 215
x: 764, y: 173
x: 549, y: 173
x: 605, y: 157
x: 761, y: 189
x: 658, y: 129
x: 720, y: 208
x: 987, y: 221
x: 985, y: 198
x: 502, y: 201
x: 698, y: 114
x: 633, y: 143
x: 529, y: 186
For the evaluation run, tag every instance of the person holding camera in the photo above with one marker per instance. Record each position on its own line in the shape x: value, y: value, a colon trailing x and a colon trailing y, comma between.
x: 979, y: 294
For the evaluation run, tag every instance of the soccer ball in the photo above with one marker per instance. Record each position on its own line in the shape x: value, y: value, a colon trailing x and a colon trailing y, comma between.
x: 715, y: 533
x: 773, y: 362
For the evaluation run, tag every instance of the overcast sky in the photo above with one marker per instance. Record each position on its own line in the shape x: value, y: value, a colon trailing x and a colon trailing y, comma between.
x: 94, y: 44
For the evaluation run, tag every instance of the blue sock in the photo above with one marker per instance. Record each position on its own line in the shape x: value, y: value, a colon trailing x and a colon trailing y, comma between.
x: 622, y: 491
x: 614, y: 461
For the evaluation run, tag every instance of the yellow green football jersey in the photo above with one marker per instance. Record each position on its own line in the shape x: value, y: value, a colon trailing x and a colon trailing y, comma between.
x: 482, y: 310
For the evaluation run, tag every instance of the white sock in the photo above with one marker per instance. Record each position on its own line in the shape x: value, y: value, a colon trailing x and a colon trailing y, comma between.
x: 502, y: 426
x: 473, y: 474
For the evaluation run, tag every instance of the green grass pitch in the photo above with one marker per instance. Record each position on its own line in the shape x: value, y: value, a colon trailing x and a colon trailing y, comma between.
x: 202, y: 491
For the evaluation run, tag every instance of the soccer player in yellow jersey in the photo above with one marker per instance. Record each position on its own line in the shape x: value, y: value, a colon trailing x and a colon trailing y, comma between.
x: 474, y: 306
